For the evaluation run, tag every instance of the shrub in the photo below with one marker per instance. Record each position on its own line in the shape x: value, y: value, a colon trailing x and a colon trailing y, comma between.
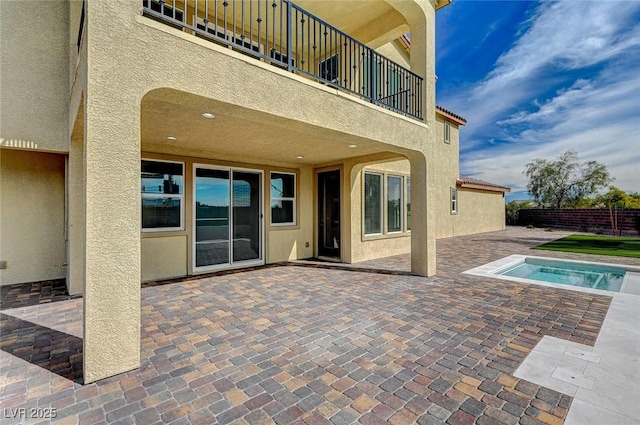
x: 513, y: 210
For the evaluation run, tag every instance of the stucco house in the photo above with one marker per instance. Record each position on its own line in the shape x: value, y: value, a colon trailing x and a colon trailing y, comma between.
x: 146, y: 140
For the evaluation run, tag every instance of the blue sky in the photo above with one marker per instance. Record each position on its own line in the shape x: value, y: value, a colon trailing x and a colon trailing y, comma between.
x: 534, y: 79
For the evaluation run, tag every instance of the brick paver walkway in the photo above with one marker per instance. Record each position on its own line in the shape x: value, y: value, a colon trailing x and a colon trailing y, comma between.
x: 310, y: 345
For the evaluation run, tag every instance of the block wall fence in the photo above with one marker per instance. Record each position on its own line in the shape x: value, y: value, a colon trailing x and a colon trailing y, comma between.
x: 582, y: 220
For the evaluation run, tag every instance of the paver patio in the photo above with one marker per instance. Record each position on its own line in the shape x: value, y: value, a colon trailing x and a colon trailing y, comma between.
x: 309, y: 343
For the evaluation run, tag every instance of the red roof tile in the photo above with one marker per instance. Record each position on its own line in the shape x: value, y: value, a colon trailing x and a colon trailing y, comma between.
x: 472, y: 183
x: 445, y: 112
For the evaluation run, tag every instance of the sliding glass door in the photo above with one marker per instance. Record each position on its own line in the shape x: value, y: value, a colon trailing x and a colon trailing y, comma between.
x: 228, y: 217
x: 247, y: 223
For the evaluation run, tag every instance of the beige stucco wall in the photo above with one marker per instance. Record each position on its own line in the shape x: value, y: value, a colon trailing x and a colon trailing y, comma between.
x: 76, y: 217
x: 34, y: 74
x: 163, y: 257
x: 150, y: 56
x: 75, y: 17
x: 32, y: 208
x: 447, y: 155
x: 293, y: 242
x: 259, y: 87
x: 478, y: 211
x: 262, y: 89
x: 396, y: 53
x: 363, y: 247
x: 446, y: 175
x: 167, y: 254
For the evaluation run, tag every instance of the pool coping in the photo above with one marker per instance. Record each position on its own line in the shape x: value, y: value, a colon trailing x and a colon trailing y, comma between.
x: 594, y: 376
x: 630, y: 284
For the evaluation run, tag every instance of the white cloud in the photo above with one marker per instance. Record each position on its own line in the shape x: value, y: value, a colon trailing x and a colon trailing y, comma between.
x: 592, y: 47
x: 551, y: 110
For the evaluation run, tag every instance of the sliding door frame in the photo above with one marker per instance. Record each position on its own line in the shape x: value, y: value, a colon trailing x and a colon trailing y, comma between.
x: 231, y: 264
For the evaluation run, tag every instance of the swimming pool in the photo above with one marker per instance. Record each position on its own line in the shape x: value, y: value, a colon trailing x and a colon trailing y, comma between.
x: 582, y: 276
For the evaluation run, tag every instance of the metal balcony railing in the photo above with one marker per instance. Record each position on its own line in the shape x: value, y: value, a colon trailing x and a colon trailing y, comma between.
x: 285, y: 35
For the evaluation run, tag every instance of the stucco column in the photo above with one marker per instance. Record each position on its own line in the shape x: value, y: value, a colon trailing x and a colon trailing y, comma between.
x: 423, y: 216
x: 112, y: 194
x: 421, y: 18
x: 76, y: 216
x: 112, y: 233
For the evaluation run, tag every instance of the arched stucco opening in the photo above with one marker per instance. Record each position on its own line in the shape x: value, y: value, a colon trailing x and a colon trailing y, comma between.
x: 412, y: 233
x: 380, y: 220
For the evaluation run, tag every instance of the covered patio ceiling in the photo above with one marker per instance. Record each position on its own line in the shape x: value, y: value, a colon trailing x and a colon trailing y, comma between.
x: 372, y: 22
x: 241, y: 134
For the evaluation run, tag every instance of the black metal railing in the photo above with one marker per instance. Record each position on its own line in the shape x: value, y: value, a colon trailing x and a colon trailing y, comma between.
x: 285, y: 35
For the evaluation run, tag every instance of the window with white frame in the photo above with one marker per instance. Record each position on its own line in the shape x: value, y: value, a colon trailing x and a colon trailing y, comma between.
x: 447, y: 132
x: 372, y: 204
x: 394, y: 204
x: 162, y: 192
x: 283, y: 199
x: 454, y: 200
x: 387, y: 204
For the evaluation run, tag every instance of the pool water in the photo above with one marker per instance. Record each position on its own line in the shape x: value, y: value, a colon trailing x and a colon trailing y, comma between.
x: 581, y: 275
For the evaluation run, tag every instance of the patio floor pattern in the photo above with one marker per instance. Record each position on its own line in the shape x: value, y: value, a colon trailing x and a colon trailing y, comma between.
x: 307, y: 343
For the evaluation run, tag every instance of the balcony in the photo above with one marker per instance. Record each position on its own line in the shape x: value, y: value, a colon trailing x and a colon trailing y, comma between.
x: 285, y: 35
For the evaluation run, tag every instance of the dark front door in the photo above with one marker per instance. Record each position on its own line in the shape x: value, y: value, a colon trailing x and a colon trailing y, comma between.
x: 329, y: 214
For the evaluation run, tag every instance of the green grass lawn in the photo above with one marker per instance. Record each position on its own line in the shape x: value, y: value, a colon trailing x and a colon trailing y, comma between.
x: 599, y: 245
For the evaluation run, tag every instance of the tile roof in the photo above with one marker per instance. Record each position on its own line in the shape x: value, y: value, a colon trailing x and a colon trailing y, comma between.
x: 447, y: 113
x: 406, y: 41
x: 472, y: 183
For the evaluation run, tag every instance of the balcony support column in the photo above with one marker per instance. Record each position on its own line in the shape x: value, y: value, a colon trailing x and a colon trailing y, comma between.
x: 111, y: 231
x: 423, y: 216
x: 112, y: 235
x: 111, y: 201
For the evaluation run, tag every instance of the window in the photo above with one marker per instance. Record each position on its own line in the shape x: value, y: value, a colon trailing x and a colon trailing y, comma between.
x: 382, y: 82
x: 281, y: 57
x: 394, y: 204
x: 371, y: 77
x: 329, y: 69
x: 161, y: 8
x: 387, y: 207
x: 408, y: 204
x: 220, y: 32
x: 447, y: 132
x: 372, y: 204
x: 162, y: 195
x: 167, y: 10
x: 454, y: 200
x: 389, y: 91
x: 283, y: 199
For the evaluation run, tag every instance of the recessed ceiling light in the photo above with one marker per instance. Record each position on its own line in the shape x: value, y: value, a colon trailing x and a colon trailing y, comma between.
x: 353, y: 146
x: 172, y: 138
x: 300, y: 157
x: 208, y: 115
